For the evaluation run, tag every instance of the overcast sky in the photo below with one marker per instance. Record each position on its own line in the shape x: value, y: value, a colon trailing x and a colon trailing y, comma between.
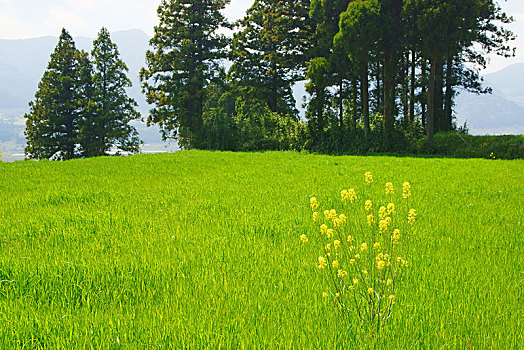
x: 20, y: 19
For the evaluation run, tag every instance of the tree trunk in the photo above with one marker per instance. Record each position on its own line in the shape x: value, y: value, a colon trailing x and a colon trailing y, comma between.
x: 389, y: 98
x: 274, y: 93
x: 378, y: 106
x: 439, y: 98
x: 412, y: 88
x: 341, y: 103
x: 320, y: 110
x: 405, y: 89
x: 424, y: 96
x: 364, y: 91
x: 431, y: 100
x: 354, y: 93
x: 447, y: 120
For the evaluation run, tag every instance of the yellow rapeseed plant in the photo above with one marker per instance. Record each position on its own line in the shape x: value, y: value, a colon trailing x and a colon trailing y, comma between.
x: 362, y: 257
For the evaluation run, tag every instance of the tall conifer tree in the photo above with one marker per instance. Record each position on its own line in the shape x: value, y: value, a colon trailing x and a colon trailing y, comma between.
x: 269, y: 52
x: 106, y: 124
x: 186, y: 54
x: 52, y: 123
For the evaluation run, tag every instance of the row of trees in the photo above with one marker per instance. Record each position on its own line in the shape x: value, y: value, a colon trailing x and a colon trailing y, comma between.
x: 379, y: 73
x: 81, y: 108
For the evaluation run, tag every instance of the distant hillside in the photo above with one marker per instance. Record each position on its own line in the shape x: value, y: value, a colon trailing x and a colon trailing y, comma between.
x: 499, y: 113
x: 23, y: 62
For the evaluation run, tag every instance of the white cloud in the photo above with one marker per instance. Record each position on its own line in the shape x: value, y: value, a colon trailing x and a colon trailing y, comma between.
x: 59, y: 18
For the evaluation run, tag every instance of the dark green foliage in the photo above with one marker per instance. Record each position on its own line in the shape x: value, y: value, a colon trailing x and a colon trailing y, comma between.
x: 235, y: 121
x: 59, y: 105
x: 269, y: 52
x: 402, y: 60
x: 107, y: 122
x: 467, y: 146
x: 81, y: 110
x: 185, y: 58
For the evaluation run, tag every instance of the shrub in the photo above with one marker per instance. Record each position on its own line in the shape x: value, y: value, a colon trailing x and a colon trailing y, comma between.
x: 458, y: 145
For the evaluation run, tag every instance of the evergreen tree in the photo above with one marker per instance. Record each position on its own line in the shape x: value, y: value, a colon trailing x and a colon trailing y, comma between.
x: 106, y: 123
x: 52, y: 123
x: 186, y: 55
x: 359, y: 35
x: 269, y: 52
x: 329, y: 68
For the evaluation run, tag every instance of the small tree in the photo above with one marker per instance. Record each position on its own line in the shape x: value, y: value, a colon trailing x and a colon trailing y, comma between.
x: 52, y: 123
x: 106, y: 123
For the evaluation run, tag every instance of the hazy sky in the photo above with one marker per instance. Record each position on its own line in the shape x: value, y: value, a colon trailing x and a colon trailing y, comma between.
x: 21, y: 19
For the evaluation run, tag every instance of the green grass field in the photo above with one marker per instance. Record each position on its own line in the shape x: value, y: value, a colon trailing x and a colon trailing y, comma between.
x: 202, y: 250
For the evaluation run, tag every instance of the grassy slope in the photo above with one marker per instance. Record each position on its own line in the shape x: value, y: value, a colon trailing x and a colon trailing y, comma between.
x: 201, y: 249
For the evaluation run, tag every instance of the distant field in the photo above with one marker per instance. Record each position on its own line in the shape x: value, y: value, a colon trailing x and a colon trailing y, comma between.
x: 202, y: 250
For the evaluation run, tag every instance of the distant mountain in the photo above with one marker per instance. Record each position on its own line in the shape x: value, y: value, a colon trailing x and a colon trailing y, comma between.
x: 499, y: 113
x: 23, y: 62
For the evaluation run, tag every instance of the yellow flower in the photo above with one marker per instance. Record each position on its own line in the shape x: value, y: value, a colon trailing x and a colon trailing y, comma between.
x: 327, y: 215
x: 352, y: 195
x: 364, y: 247
x: 371, y: 219
x: 381, y: 265
x: 337, y: 295
x: 335, y: 264
x: 344, y: 195
x: 323, y: 228
x: 406, y: 190
x: 389, y: 221
x: 365, y: 272
x: 343, y: 218
x: 322, y: 262
x: 391, y: 297
x: 389, y: 188
x: 350, y: 239
x: 382, y: 212
x: 328, y: 247
x: 412, y: 216
x: 370, y: 291
x: 342, y: 273
x: 352, y: 261
x: 330, y: 233
x: 389, y: 282
x: 304, y: 239
x: 313, y: 203
x: 396, y: 236
x: 336, y: 244
x: 316, y: 216
x: 391, y: 209
x: 369, y: 205
x: 357, y: 256
x: 336, y: 222
x: 376, y: 246
x: 355, y: 281
x: 379, y: 257
x: 333, y: 213
x: 383, y: 226
x: 404, y: 263
x: 325, y: 295
x: 368, y: 177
